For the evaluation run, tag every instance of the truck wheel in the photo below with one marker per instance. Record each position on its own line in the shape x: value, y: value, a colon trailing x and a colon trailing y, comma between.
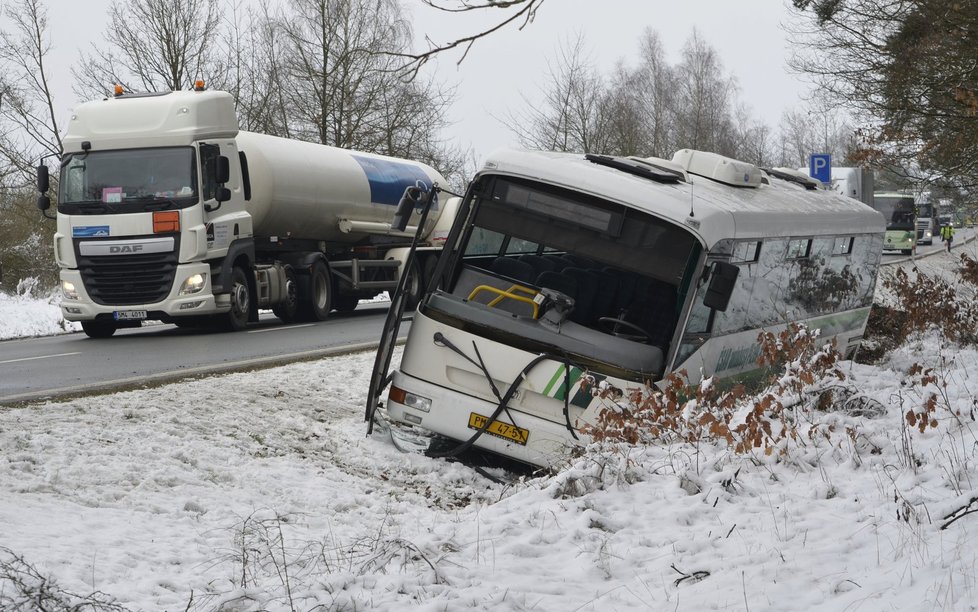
x: 286, y: 311
x: 98, y: 329
x: 237, y: 318
x: 413, y: 286
x: 316, y: 293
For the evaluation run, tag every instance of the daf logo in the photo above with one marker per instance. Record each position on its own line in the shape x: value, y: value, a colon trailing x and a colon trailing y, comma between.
x: 90, y: 248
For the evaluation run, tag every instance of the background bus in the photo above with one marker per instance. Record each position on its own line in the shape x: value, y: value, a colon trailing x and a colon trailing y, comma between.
x: 898, y: 210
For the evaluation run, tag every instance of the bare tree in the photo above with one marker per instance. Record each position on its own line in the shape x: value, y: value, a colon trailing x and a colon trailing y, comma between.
x: 341, y: 80
x: 703, y: 99
x: 906, y: 70
x: 28, y: 122
x: 253, y: 48
x: 28, y: 132
x: 521, y: 12
x: 154, y: 45
x: 569, y: 117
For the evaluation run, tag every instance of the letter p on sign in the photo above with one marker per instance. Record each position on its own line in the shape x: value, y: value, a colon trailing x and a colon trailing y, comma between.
x: 820, y: 167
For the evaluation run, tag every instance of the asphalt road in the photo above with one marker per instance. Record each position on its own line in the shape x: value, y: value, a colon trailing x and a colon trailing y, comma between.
x: 33, y: 369
x: 63, y: 366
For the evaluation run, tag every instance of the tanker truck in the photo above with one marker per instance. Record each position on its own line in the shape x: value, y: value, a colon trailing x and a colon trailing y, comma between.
x: 167, y: 211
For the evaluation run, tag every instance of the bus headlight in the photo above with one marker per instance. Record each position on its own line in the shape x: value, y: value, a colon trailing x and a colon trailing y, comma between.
x: 409, y: 399
x: 68, y: 290
x: 194, y: 284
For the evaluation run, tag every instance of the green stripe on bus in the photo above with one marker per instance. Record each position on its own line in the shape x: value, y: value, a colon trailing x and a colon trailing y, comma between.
x: 558, y: 375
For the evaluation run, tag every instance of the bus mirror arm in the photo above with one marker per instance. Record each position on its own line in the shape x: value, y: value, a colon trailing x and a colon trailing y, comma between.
x: 723, y: 278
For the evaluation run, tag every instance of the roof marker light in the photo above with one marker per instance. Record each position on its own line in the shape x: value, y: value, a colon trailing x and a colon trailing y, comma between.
x: 117, y: 90
x: 199, y: 85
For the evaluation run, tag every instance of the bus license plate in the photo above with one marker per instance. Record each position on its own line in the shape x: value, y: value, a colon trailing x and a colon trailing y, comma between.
x: 500, y: 429
x: 129, y: 315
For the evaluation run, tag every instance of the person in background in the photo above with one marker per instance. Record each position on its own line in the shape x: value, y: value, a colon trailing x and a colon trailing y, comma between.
x: 947, y: 235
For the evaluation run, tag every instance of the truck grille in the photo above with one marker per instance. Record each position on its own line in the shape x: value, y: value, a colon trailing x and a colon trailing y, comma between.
x: 123, y: 280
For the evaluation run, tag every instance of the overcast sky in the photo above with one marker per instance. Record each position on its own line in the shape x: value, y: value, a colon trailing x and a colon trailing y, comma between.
x: 748, y: 36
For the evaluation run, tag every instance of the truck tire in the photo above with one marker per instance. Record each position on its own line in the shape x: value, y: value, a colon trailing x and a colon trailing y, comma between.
x: 288, y: 309
x: 98, y: 329
x: 316, y: 293
x: 237, y: 318
x: 413, y: 286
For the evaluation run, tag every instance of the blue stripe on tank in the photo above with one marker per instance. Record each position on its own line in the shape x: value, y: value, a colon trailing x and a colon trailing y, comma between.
x: 388, y: 179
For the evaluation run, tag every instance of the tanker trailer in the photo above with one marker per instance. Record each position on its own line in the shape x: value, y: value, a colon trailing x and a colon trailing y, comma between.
x: 166, y: 211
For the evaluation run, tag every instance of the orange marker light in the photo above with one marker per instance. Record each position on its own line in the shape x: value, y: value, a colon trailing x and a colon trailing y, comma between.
x: 117, y: 89
x: 165, y: 221
x: 199, y: 85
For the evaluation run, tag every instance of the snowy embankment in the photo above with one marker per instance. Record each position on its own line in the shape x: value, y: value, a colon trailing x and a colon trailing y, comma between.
x: 24, y: 315
x: 260, y: 491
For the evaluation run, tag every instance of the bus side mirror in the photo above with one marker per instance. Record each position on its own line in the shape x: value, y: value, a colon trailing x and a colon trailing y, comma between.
x: 222, y: 170
x: 409, y: 201
x: 43, y: 181
x: 723, y: 277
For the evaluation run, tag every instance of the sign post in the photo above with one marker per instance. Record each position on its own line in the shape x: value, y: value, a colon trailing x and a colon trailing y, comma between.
x: 820, y: 167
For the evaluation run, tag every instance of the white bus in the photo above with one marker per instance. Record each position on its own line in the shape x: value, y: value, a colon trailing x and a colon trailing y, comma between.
x: 623, y: 268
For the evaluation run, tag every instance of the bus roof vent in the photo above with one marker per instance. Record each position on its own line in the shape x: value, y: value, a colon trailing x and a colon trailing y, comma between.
x: 719, y: 168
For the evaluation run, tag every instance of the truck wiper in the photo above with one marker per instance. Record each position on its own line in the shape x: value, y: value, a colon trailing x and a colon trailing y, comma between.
x: 160, y: 205
x: 90, y: 206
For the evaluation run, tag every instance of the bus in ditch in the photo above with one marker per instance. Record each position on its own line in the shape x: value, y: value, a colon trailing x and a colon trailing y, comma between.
x: 900, y: 212
x: 623, y: 269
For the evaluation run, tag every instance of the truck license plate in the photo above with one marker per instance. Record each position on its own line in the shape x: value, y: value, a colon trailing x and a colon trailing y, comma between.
x: 500, y: 429
x: 129, y: 315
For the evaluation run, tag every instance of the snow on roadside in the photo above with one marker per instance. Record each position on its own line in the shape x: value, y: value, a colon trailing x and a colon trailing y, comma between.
x: 23, y: 315
x: 200, y: 493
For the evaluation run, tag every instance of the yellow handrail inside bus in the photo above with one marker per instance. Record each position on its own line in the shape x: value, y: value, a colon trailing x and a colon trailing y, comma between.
x: 508, y: 294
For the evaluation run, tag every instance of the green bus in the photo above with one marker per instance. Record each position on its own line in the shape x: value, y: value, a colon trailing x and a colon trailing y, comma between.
x: 900, y: 214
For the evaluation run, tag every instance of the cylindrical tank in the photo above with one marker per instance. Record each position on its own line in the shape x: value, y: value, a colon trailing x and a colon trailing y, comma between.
x: 305, y: 190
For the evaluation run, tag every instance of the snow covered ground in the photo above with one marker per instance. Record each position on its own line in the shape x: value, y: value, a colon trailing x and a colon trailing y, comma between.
x: 261, y: 491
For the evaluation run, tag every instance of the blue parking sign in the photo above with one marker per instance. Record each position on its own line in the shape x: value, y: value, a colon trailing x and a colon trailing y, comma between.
x: 820, y: 167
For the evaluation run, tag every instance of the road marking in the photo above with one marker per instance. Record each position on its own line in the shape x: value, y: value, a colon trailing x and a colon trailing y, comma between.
x: 41, y: 357
x: 271, y: 329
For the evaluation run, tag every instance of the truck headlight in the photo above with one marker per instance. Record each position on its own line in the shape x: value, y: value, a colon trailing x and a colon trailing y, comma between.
x: 409, y: 399
x: 194, y: 284
x: 68, y: 290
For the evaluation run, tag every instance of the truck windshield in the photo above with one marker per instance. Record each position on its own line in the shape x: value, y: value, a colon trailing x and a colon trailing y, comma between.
x: 128, y: 180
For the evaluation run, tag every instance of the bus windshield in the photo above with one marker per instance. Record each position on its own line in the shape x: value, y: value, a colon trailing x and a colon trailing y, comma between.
x: 897, y: 209
x: 128, y: 178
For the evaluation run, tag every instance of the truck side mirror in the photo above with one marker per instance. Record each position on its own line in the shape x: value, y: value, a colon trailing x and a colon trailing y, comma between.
x: 222, y: 194
x: 43, y: 202
x: 723, y: 277
x: 409, y: 201
x: 222, y: 171
x: 43, y: 181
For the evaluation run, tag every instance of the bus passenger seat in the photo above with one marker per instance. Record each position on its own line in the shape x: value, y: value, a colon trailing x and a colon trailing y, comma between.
x: 513, y: 269
x: 539, y: 263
